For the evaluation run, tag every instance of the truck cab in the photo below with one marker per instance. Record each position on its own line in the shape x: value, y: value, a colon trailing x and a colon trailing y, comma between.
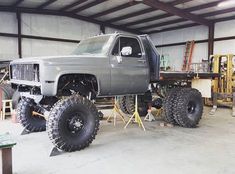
x: 134, y: 62
x: 106, y: 65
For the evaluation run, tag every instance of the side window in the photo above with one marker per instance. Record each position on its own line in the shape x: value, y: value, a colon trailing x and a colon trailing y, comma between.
x: 127, y: 42
x: 133, y: 43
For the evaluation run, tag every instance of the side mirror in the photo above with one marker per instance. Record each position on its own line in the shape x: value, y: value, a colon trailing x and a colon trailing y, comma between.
x: 126, y: 51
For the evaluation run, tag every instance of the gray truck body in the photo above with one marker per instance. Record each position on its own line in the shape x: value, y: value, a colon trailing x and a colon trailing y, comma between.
x: 131, y: 75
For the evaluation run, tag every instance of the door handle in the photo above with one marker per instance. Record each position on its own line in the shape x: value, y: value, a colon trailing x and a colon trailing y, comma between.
x: 142, y: 60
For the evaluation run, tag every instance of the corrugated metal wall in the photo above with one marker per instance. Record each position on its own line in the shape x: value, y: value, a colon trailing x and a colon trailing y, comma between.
x: 225, y: 29
x: 8, y: 46
x: 46, y: 26
x: 176, y: 53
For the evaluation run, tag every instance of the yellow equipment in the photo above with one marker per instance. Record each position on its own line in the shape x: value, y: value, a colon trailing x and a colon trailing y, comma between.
x: 136, y: 115
x: 115, y: 112
x: 223, y: 86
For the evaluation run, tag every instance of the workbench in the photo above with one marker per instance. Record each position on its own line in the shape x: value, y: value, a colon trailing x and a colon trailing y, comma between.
x: 6, y: 144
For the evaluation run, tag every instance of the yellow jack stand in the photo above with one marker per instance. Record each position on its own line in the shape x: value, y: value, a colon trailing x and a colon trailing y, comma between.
x: 159, y: 112
x: 115, y: 112
x: 136, y: 116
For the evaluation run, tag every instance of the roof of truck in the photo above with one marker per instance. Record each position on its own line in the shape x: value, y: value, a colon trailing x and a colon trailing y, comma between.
x: 116, y: 34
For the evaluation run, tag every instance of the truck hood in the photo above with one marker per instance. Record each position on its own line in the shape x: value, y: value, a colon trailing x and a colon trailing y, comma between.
x: 68, y: 59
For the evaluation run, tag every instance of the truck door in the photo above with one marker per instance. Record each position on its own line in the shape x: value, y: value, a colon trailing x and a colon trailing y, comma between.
x: 129, y: 69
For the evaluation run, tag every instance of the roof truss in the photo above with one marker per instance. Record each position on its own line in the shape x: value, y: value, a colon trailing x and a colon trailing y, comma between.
x: 46, y: 4
x: 175, y: 11
x: 155, y: 18
x: 76, y: 3
x: 67, y: 14
x: 114, y: 9
x: 89, y: 5
x: 145, y: 11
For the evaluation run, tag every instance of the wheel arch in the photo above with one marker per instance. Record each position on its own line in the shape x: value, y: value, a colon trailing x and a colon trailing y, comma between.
x: 75, y: 79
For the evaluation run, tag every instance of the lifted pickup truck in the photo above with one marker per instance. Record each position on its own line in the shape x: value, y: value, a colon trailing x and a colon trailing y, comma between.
x: 58, y: 92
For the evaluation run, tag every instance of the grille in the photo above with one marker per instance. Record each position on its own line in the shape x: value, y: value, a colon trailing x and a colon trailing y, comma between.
x: 29, y: 72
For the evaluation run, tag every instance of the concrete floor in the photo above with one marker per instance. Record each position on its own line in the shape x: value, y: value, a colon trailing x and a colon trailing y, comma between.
x: 208, y: 149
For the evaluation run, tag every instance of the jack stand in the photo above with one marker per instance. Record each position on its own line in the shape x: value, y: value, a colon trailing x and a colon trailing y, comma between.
x: 149, y: 117
x: 25, y: 132
x: 116, y: 112
x: 55, y: 151
x: 212, y: 112
x: 215, y: 96
x: 136, y: 116
x: 159, y: 112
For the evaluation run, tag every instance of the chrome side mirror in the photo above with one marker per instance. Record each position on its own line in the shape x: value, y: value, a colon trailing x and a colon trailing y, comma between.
x: 126, y: 51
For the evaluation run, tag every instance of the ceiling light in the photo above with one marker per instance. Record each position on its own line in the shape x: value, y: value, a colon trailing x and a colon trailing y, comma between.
x: 226, y: 3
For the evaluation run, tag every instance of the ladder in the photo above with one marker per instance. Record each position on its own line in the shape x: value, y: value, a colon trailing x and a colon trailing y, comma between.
x: 188, y: 55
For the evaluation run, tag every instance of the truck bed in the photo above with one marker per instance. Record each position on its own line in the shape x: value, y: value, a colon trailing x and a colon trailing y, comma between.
x: 179, y: 75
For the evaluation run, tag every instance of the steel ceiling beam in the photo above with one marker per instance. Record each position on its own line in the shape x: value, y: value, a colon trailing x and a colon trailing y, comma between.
x: 191, y: 25
x: 42, y: 6
x: 173, y: 28
x: 89, y: 5
x: 176, y: 11
x: 104, y: 23
x: 130, y: 15
x: 174, y: 21
x: 24, y: 36
x: 211, y: 37
x: 214, y: 13
x: 225, y: 19
x: 184, y: 20
x: 190, y: 9
x: 16, y: 3
x: 76, y: 3
x: 196, y: 41
x: 114, y: 9
x: 141, y: 12
x: 67, y: 14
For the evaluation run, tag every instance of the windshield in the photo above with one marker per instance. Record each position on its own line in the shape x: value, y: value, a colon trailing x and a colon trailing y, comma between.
x: 95, y: 45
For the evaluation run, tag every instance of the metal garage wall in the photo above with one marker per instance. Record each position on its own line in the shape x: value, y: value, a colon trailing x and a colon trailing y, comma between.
x: 46, y: 48
x: 46, y: 26
x: 57, y: 27
x: 181, y: 35
x: 225, y: 29
x: 176, y: 52
x: 109, y: 30
x: 8, y: 46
